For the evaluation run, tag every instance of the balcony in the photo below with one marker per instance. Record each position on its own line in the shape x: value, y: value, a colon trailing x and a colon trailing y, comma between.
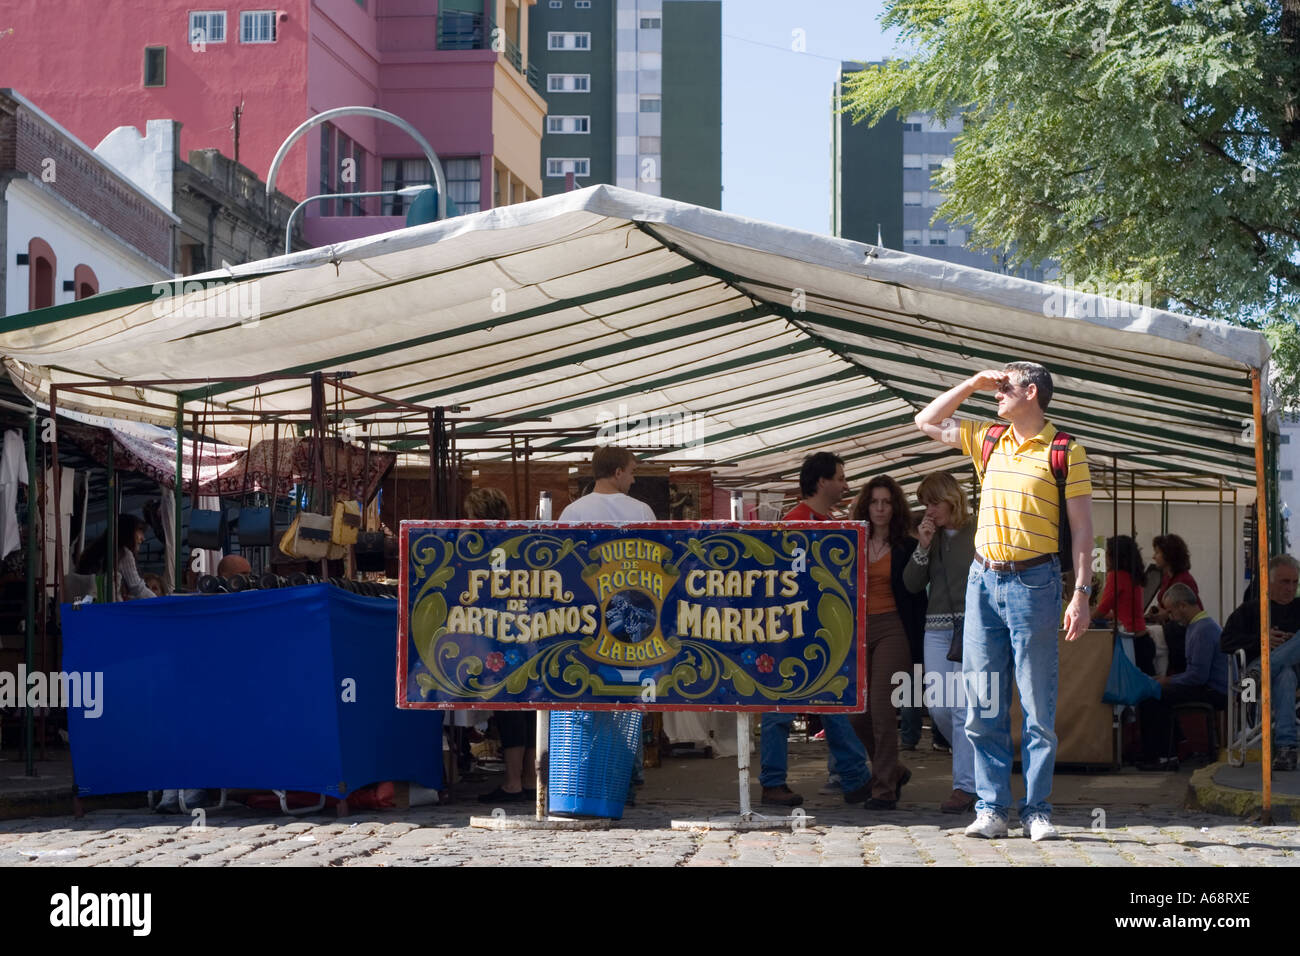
x: 459, y: 30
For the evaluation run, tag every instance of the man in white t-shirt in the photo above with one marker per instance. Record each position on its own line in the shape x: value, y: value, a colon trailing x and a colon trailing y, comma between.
x: 614, y: 470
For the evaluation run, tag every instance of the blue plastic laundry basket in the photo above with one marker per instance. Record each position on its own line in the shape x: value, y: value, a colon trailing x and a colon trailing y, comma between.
x: 592, y: 754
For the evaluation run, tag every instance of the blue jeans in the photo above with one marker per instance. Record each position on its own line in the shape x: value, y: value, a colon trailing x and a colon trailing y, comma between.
x: 949, y: 715
x: 1282, y: 663
x: 1012, y: 620
x: 848, y: 757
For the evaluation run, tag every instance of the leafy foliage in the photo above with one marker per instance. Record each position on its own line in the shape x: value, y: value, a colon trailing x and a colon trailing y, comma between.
x: 1131, y: 140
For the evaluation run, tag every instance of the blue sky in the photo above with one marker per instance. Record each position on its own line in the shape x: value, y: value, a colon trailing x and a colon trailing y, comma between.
x: 776, y: 102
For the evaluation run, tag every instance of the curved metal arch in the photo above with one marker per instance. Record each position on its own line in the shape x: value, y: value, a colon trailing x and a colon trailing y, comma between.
x: 439, y: 178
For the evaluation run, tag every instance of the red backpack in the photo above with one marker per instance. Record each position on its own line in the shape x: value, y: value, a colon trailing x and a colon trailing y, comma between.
x: 1058, y: 457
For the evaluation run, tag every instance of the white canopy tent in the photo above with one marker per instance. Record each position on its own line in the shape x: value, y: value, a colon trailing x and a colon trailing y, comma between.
x: 584, y: 306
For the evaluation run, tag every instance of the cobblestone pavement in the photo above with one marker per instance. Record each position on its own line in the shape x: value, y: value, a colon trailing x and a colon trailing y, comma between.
x: 441, y: 836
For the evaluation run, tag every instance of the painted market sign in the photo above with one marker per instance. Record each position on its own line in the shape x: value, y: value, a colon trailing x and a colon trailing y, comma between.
x: 758, y: 616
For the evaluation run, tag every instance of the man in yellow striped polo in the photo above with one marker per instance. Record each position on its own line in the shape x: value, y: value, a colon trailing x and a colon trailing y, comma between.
x: 1013, y: 591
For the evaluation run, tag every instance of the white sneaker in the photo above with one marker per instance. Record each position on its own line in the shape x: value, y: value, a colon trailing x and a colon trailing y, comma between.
x: 987, y: 825
x: 1040, y: 828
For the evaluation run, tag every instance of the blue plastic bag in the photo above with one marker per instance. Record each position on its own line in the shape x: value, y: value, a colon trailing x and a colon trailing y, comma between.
x: 1126, y: 684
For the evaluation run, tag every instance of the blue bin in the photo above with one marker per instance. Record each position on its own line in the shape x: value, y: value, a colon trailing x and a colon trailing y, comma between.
x: 592, y: 756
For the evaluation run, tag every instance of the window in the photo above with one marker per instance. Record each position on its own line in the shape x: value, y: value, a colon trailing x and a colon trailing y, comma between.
x: 257, y: 26
x: 558, y: 167
x: 582, y: 4
x: 398, y: 174
x: 651, y: 104
x: 952, y: 125
x: 326, y: 168
x: 207, y: 26
x: 938, y: 238
x: 41, y: 264
x: 155, y: 66
x: 649, y: 144
x: 911, y: 199
x: 84, y: 282
x: 462, y: 182
x: 933, y: 198
x: 557, y: 4
x: 911, y: 127
x: 568, y: 41
x: 935, y: 167
x: 1284, y: 439
x: 651, y: 23
x: 568, y: 82
x: 1285, y: 474
x: 911, y: 237
x: 568, y: 124
x: 911, y: 161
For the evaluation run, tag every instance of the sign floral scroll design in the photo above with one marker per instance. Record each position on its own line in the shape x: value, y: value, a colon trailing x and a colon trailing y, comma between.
x: 433, y: 561
x: 829, y: 561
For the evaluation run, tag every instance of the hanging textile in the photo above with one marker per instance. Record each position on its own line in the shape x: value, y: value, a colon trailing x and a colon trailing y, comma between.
x: 13, y: 472
x: 67, y: 482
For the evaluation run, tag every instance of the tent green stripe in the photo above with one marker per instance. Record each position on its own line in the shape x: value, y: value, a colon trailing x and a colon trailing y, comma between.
x: 622, y: 345
x: 667, y: 278
x: 106, y: 301
x: 707, y: 371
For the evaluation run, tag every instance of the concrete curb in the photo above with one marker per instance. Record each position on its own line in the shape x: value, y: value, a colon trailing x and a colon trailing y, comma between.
x: 58, y: 802
x: 1205, y: 794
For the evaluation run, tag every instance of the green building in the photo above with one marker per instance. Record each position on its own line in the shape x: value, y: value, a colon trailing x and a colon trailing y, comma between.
x: 634, y: 95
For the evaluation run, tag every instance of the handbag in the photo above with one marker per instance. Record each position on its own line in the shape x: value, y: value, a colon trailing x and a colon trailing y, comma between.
x: 955, y: 648
x: 371, y: 551
x: 254, y: 522
x: 346, y: 523
x: 307, y: 537
x: 1126, y: 684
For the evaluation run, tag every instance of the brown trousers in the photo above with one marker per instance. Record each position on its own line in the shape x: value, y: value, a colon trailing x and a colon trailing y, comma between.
x: 887, y: 655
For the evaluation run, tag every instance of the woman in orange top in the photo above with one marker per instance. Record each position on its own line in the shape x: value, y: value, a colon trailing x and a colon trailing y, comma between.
x: 893, y: 614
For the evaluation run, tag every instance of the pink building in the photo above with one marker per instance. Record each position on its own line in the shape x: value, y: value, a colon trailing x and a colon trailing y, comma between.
x: 241, y: 78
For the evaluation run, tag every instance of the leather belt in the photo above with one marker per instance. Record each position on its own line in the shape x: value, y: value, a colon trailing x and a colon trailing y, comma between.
x: 988, y: 565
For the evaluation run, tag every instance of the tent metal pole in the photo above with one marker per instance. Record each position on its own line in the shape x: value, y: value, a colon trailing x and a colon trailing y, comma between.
x: 29, y: 720
x: 111, y: 532
x: 1261, y: 560
x: 433, y: 470
x: 1219, y: 513
x: 1132, y: 504
x: 177, y: 560
x: 54, y: 509
x: 1235, y: 549
x: 1114, y: 502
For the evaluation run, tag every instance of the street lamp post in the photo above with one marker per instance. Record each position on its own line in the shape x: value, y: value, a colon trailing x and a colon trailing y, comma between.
x: 404, y: 191
x: 440, y: 180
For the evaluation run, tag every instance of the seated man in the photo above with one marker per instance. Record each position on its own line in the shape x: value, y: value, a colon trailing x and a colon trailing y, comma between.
x: 1205, y: 679
x: 1242, y: 630
x: 233, y: 564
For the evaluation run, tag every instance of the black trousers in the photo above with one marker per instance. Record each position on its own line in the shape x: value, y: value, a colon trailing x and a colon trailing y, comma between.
x: 1156, y: 717
x: 518, y: 728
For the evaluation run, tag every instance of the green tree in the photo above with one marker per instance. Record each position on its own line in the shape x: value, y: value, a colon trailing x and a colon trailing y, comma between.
x: 1131, y: 140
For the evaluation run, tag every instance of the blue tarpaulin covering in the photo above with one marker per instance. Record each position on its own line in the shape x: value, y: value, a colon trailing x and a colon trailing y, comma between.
x: 245, y: 690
